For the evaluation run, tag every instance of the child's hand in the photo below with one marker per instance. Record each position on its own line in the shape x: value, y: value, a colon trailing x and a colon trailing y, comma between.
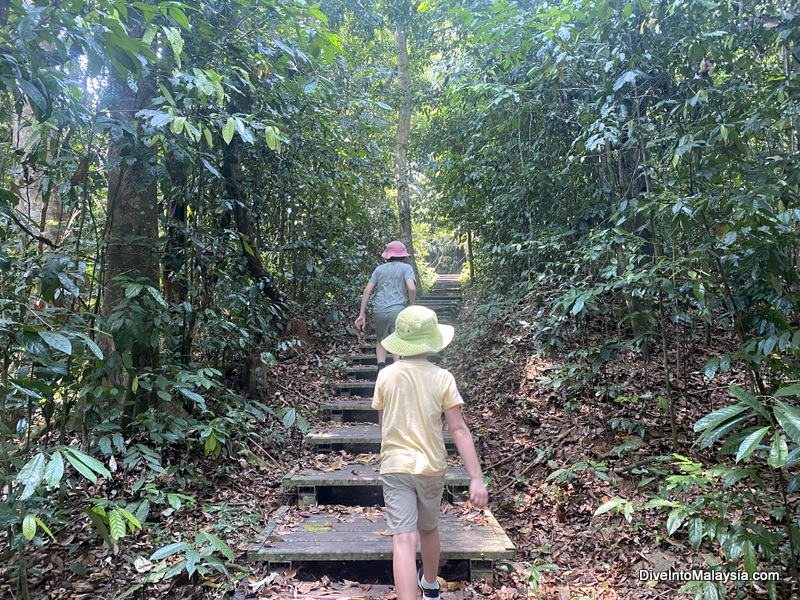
x: 478, y: 494
x: 361, y: 321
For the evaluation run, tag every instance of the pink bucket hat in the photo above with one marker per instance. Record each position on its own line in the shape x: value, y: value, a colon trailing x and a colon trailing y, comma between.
x: 395, y: 249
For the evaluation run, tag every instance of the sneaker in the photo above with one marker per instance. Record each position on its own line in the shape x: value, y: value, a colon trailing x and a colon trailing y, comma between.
x: 427, y: 592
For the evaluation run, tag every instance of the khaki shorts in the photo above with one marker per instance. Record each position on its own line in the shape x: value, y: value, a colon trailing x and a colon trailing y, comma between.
x: 384, y: 323
x: 412, y: 501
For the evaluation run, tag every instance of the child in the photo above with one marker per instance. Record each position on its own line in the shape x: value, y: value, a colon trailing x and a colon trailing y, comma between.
x: 391, y: 280
x: 410, y: 397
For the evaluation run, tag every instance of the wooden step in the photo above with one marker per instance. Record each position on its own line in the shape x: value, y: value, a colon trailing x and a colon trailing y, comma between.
x: 355, y: 437
x: 371, y: 359
x: 358, y: 484
x: 448, y: 296
x: 349, y: 410
x: 362, y: 372
x: 367, y: 358
x: 336, y: 533
x: 362, y: 388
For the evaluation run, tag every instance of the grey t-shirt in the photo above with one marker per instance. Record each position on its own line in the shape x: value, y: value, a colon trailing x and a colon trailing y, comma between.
x: 390, y: 285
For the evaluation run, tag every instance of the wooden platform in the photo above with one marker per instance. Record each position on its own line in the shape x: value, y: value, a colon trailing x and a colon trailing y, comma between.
x: 359, y: 533
x: 339, y: 519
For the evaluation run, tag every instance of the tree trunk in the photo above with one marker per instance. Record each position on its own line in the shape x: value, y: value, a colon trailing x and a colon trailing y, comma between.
x: 131, y: 237
x: 244, y: 222
x: 46, y: 212
x: 401, y: 146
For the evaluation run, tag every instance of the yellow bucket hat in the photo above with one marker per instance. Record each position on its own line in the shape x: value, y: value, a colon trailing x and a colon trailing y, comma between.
x: 417, y: 331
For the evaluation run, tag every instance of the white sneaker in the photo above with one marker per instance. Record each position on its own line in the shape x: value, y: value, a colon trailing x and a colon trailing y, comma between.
x: 428, y: 593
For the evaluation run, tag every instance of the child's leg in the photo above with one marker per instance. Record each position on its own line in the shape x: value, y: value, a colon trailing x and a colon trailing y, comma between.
x: 404, y: 565
x: 400, y: 498
x: 380, y: 352
x: 429, y: 549
x: 429, y: 506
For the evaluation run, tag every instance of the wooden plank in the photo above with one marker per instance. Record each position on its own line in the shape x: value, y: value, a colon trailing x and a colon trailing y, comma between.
x: 353, y: 433
x: 360, y: 534
x: 356, y: 475
x: 346, y: 403
x: 355, y: 388
x: 363, y: 372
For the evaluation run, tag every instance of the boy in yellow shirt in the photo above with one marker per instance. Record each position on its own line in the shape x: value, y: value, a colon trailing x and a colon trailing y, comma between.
x: 410, y: 397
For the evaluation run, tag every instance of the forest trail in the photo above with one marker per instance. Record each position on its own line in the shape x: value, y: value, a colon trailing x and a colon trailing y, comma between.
x: 338, y: 517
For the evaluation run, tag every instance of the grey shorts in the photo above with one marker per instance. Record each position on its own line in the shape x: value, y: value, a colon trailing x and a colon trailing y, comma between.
x: 384, y: 323
x: 412, y: 502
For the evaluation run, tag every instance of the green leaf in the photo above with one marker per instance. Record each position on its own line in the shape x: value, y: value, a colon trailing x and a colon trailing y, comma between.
x: 30, y: 476
x: 750, y: 400
x: 175, y: 41
x: 750, y: 559
x: 54, y: 470
x: 675, y: 520
x: 82, y: 468
x: 192, y: 558
x: 133, y: 289
x: 789, y: 419
x: 778, y: 452
x: 179, y: 17
x: 174, y: 501
x: 271, y: 137
x: 33, y: 93
x: 169, y: 550
x: 86, y: 465
x: 289, y: 417
x: 695, y: 531
x: 711, y: 368
x: 228, y: 130
x: 57, y: 341
x: 194, y: 397
x: 44, y: 527
x: 608, y: 506
x: 132, y: 520
x: 750, y: 443
x: 92, y: 345
x: 712, y: 435
x: 579, y: 304
x: 29, y: 527
x: 789, y: 390
x: 717, y: 417
x: 628, y: 77
x: 116, y: 524
x: 216, y: 542
x: 161, y: 119
x: 100, y: 524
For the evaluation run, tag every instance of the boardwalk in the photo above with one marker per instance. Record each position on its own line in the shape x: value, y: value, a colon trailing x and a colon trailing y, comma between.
x: 338, y: 515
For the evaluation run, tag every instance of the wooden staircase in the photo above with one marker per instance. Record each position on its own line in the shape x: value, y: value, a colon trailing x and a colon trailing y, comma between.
x: 338, y: 515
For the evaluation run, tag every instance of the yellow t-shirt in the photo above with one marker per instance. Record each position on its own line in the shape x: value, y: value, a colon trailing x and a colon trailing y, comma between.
x: 413, y: 394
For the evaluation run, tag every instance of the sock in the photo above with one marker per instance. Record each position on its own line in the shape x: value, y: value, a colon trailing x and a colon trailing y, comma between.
x: 381, y: 366
x: 430, y: 586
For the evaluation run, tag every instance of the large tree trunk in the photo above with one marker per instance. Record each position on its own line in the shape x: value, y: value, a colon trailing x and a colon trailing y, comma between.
x: 401, y: 146
x: 131, y: 236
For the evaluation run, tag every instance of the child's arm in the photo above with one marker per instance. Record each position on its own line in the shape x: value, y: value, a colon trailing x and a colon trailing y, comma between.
x: 412, y: 291
x: 466, y: 448
x: 361, y: 321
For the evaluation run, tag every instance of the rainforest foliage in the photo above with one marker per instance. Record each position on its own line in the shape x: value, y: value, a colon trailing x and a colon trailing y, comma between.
x: 188, y: 188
